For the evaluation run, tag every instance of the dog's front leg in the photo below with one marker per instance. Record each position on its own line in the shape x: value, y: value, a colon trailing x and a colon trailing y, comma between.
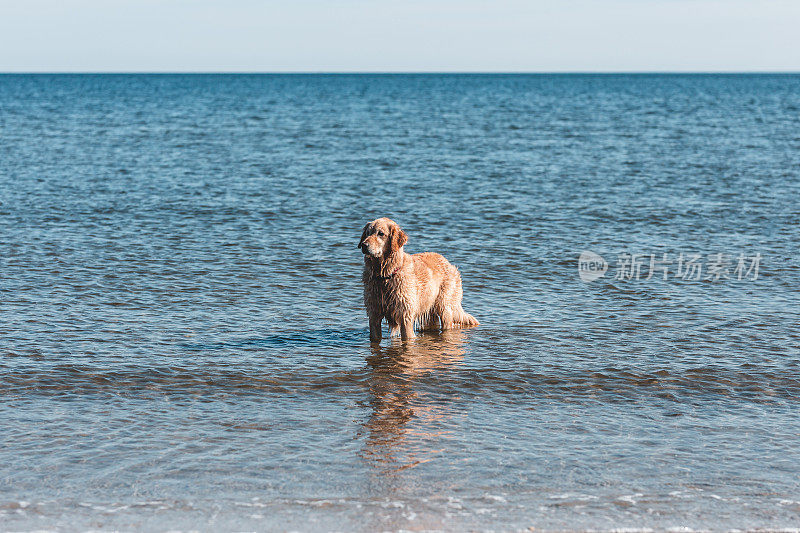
x: 375, y: 328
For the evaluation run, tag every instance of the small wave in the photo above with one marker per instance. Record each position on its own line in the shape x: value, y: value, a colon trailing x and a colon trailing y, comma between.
x: 322, y: 337
x: 613, y: 384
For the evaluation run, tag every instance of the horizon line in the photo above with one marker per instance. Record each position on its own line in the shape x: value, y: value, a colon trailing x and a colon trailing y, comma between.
x: 401, y: 72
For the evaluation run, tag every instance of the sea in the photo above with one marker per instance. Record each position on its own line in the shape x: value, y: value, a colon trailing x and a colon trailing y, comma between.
x: 184, y: 346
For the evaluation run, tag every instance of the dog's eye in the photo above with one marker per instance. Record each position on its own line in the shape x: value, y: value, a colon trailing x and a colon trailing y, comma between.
x: 380, y: 234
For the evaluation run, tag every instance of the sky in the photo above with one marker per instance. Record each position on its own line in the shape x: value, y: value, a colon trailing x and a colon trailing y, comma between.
x: 399, y: 35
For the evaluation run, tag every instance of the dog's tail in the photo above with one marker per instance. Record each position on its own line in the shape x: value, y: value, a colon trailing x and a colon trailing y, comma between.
x: 463, y: 318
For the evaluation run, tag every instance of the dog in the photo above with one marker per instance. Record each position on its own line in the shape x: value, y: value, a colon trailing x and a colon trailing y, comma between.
x: 422, y: 290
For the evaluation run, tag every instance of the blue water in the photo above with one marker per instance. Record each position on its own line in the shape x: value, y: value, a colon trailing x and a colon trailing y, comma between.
x: 183, y: 343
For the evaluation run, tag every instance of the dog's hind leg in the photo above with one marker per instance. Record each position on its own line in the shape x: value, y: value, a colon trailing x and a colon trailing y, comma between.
x: 394, y: 329
x: 447, y: 318
x: 458, y: 317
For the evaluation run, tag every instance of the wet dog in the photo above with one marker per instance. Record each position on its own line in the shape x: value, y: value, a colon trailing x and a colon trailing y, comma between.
x: 422, y: 290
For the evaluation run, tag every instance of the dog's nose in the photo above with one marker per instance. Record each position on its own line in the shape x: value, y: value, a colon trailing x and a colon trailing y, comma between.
x: 360, y: 244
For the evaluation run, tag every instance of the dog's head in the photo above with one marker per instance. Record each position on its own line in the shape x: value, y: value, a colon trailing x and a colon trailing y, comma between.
x: 382, y: 238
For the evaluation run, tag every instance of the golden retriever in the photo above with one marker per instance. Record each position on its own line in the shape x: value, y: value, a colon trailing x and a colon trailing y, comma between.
x: 407, y: 290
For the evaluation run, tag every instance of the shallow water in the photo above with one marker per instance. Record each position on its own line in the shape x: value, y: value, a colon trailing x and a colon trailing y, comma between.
x: 183, y: 343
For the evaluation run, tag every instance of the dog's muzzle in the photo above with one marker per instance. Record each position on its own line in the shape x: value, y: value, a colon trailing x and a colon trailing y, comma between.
x: 366, y: 250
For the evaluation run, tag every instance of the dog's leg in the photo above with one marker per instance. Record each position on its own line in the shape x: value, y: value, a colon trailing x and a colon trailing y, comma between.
x: 407, y: 329
x: 447, y: 318
x: 394, y: 329
x: 375, y: 329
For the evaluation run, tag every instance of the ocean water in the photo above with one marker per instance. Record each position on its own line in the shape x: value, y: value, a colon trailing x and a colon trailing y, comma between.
x: 183, y: 344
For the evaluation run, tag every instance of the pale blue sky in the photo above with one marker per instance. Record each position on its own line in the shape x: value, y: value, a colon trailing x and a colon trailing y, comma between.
x: 400, y: 35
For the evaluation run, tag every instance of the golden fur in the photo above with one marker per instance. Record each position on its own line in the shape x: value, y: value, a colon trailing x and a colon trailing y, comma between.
x: 422, y: 290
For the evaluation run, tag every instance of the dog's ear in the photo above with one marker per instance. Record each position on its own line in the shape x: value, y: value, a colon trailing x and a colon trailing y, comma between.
x: 363, y: 236
x: 397, y: 239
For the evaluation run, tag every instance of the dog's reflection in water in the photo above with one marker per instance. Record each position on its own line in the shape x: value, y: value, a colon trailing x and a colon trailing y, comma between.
x: 410, y: 406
